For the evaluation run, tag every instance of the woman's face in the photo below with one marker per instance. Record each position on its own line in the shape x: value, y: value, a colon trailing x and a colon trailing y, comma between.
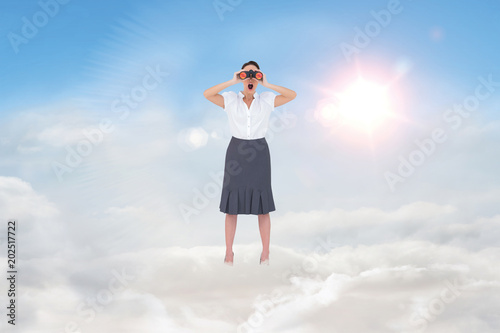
x: 249, y: 85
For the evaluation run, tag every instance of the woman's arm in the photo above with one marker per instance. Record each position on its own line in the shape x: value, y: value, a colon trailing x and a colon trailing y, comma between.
x: 286, y: 94
x: 212, y: 94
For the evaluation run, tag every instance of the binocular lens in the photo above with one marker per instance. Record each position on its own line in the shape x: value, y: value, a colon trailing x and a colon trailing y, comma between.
x: 250, y: 74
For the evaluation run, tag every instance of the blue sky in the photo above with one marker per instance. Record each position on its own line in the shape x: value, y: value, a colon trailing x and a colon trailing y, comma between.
x: 304, y: 36
x: 131, y: 167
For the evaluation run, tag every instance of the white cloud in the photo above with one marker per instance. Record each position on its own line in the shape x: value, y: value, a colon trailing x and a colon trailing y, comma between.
x: 60, y: 135
x: 39, y: 230
x: 378, y: 288
x: 319, y: 221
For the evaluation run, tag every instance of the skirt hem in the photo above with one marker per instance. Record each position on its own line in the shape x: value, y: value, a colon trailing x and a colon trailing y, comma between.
x: 246, y: 200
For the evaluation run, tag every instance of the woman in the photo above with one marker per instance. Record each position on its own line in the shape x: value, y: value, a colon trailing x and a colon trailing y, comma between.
x: 246, y: 187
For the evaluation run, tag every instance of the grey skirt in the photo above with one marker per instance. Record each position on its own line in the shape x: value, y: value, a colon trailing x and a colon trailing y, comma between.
x: 246, y: 188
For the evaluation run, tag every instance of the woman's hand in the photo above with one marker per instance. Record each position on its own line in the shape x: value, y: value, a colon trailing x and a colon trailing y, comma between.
x: 236, y: 79
x: 264, y: 80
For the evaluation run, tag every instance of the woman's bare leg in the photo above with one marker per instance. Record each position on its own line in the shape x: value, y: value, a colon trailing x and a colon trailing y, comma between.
x: 265, y: 234
x: 230, y: 232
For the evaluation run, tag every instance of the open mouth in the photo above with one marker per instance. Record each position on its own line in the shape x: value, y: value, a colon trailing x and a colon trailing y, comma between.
x: 250, y: 86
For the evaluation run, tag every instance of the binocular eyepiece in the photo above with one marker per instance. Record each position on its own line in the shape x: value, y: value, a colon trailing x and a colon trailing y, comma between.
x: 250, y: 74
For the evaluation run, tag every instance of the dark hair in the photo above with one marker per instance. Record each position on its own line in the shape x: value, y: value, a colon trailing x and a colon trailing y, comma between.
x: 250, y: 63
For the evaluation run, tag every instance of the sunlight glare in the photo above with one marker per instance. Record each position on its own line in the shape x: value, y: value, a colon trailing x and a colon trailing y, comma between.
x: 363, y: 104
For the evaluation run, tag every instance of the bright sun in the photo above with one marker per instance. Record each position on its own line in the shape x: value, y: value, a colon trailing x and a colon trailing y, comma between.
x: 363, y: 104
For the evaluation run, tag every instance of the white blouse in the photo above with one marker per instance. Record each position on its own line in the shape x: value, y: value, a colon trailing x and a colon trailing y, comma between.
x: 245, y: 123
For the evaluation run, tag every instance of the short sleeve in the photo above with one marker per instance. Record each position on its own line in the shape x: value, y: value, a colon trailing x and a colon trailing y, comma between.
x: 229, y: 98
x: 268, y: 97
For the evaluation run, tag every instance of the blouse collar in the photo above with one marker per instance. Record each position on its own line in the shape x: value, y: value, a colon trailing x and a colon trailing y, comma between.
x: 255, y: 95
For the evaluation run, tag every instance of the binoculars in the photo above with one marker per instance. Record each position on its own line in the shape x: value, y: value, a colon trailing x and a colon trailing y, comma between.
x: 250, y: 74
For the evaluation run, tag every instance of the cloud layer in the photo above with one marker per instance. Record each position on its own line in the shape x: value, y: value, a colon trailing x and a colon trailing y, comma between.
x: 422, y: 270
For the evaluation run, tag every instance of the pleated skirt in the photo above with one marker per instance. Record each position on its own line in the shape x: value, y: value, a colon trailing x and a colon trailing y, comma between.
x: 246, y: 187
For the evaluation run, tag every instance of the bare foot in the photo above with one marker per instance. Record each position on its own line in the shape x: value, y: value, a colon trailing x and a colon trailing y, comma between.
x: 264, y: 258
x: 228, y: 260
